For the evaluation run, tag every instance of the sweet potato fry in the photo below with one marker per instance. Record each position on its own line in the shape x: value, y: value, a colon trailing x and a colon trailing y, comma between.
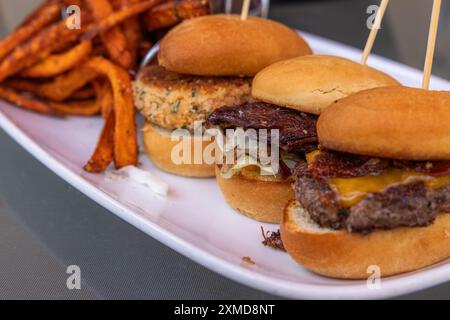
x: 99, y: 49
x: 76, y: 108
x: 87, y: 92
x: 73, y: 2
x: 116, y: 4
x: 172, y: 12
x: 38, y: 11
x: 132, y: 30
x: 23, y: 85
x: 46, y: 15
x: 114, y: 39
x: 37, y: 48
x: 59, y: 63
x: 60, y: 88
x: 125, y: 132
x: 25, y: 102
x: 104, y: 151
x: 85, y: 108
x: 104, y: 92
x: 119, y: 17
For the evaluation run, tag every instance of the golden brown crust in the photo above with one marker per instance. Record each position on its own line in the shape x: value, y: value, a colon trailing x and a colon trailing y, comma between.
x: 259, y: 199
x: 171, y: 100
x: 224, y: 45
x: 160, y: 78
x: 159, y: 149
x: 392, y: 122
x: 311, y: 83
x: 345, y: 255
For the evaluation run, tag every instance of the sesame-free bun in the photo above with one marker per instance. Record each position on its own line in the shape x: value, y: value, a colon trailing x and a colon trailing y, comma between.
x: 225, y: 45
x: 344, y: 255
x: 158, y: 146
x: 394, y: 122
x: 311, y: 83
x: 259, y: 197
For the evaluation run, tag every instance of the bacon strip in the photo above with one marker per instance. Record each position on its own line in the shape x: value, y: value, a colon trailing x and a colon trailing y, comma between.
x: 331, y: 164
x: 297, y: 130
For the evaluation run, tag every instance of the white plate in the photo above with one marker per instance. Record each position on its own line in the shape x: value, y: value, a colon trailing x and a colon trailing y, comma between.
x: 194, y: 220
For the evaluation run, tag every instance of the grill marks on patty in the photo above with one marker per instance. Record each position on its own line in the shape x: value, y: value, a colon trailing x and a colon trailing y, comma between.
x: 409, y: 205
x: 297, y: 130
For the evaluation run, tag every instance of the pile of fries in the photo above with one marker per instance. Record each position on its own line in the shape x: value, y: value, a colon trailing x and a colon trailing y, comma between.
x: 49, y: 66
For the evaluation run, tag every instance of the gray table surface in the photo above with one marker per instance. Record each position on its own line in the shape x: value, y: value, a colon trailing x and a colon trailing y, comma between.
x: 46, y: 225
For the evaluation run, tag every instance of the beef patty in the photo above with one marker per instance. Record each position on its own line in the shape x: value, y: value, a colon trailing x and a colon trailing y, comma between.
x: 411, y: 204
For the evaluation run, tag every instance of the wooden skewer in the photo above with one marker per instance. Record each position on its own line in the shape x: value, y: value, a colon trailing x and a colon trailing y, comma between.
x: 245, y: 9
x: 374, y: 31
x: 228, y: 6
x: 431, y: 44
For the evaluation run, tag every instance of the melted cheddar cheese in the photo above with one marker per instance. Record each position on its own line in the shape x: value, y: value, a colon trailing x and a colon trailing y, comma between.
x: 353, y: 190
x: 311, y: 156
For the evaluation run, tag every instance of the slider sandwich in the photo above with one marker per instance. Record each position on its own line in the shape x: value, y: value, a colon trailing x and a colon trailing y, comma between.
x: 377, y: 193
x: 205, y: 63
x: 289, y: 97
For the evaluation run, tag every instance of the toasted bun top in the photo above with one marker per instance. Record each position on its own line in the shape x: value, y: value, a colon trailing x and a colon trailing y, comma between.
x: 393, y: 122
x: 225, y: 45
x: 311, y: 83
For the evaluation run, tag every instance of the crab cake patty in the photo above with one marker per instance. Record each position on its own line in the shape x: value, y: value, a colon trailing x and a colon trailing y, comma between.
x: 174, y: 101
